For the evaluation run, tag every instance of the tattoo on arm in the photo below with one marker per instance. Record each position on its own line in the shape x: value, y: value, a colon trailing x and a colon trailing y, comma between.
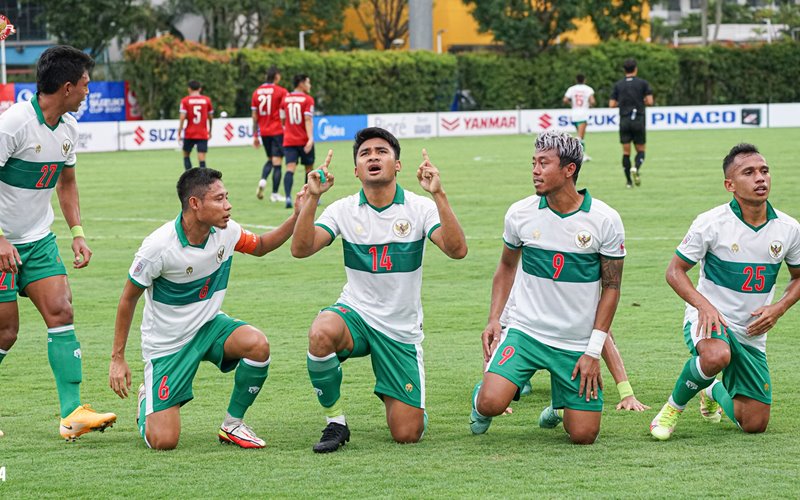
x: 611, y: 272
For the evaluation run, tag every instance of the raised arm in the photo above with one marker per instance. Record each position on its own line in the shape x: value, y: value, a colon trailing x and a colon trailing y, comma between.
x: 449, y: 237
x: 309, y: 239
x: 271, y: 240
x: 119, y: 373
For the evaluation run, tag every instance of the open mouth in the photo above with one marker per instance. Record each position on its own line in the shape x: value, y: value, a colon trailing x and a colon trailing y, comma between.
x: 374, y: 168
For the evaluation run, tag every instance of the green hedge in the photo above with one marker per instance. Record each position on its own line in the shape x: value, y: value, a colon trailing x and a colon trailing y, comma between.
x: 363, y: 82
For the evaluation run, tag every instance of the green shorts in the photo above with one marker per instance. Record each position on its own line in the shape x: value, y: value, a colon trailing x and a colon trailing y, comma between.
x: 519, y: 356
x: 748, y: 372
x: 168, y: 379
x: 40, y: 259
x: 398, y: 367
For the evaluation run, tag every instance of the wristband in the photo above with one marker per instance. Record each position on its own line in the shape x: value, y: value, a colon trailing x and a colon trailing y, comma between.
x: 596, y: 341
x: 1, y: 231
x: 77, y: 232
x: 321, y: 176
x: 624, y: 389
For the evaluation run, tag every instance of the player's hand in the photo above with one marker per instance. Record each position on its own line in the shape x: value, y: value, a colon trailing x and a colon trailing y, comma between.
x: 309, y: 145
x: 767, y: 317
x: 490, y: 338
x: 9, y: 257
x: 82, y: 253
x: 315, y: 186
x: 632, y: 404
x: 119, y: 377
x: 428, y: 175
x: 256, y: 142
x: 209, y: 135
x: 591, y: 381
x: 708, y: 321
x: 300, y: 199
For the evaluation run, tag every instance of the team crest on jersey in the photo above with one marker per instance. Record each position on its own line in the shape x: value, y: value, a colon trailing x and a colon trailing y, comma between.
x: 537, y: 234
x: 220, y: 253
x: 735, y: 248
x: 38, y: 148
x: 776, y: 249
x: 66, y: 147
x: 583, y: 239
x: 402, y: 228
x: 189, y: 271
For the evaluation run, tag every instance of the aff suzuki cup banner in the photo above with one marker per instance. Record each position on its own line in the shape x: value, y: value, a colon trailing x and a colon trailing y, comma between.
x: 163, y: 134
x: 105, y: 103
x: 478, y: 123
x: 658, y: 118
x: 406, y: 125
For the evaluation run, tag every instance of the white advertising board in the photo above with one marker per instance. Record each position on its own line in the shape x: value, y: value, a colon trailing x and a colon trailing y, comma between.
x: 406, y: 125
x: 784, y: 115
x: 98, y: 136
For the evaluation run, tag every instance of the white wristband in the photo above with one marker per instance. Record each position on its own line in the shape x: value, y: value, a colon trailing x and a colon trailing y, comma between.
x: 596, y: 341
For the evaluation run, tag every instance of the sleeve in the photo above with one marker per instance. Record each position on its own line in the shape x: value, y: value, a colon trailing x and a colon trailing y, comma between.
x: 568, y: 93
x: 210, y: 106
x: 695, y: 244
x: 309, y: 106
x: 591, y: 91
x: 430, y: 218
x: 8, y: 144
x: 146, y: 266
x: 648, y: 90
x: 254, y: 101
x: 183, y: 106
x: 793, y: 252
x: 72, y: 157
x: 615, y: 92
x: 613, y: 244
x: 327, y: 220
x: 510, y: 233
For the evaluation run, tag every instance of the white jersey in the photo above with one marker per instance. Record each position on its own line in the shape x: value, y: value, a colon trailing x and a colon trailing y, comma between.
x: 739, y: 263
x: 32, y: 156
x: 185, y: 284
x: 579, y: 96
x: 557, y: 288
x: 383, y: 250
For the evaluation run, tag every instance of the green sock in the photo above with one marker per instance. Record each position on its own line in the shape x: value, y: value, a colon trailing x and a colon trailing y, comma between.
x: 326, y: 377
x: 689, y: 383
x: 249, y: 378
x: 2, y: 355
x: 64, y: 354
x: 721, y: 396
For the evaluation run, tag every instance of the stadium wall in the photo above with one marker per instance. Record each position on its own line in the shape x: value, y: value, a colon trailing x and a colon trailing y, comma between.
x: 163, y: 134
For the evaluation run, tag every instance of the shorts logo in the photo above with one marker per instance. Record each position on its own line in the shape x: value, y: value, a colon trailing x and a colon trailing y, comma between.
x: 254, y: 389
x: 66, y: 147
x: 409, y: 388
x: 77, y: 353
x: 220, y: 254
x: 402, y: 228
x: 776, y: 249
x: 343, y: 310
x: 138, y: 269
x: 583, y: 239
x: 318, y: 391
x: 189, y: 270
x: 766, y: 387
x: 735, y: 248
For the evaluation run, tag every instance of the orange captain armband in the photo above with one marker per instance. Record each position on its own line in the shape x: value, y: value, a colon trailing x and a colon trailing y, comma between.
x: 247, y: 242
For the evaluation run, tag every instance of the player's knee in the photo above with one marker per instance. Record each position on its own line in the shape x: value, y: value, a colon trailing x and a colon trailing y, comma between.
x: 409, y: 433
x: 259, y: 348
x: 8, y: 334
x: 714, y: 361
x: 490, y: 406
x: 60, y: 312
x: 584, y: 436
x: 320, y: 340
x: 163, y: 439
x: 755, y: 425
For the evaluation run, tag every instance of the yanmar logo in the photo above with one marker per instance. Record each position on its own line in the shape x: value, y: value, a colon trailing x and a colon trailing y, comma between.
x: 493, y: 122
x: 545, y: 121
x: 138, y: 136
x: 451, y: 125
x: 228, y: 132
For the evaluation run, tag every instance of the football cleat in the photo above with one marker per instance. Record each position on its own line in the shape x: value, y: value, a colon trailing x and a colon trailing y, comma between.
x: 260, y: 192
x: 526, y: 389
x: 478, y: 424
x: 550, y: 418
x: 637, y: 179
x: 710, y: 410
x: 664, y: 424
x: 334, y: 436
x: 241, y: 435
x: 276, y: 197
x: 289, y: 202
x: 84, y: 419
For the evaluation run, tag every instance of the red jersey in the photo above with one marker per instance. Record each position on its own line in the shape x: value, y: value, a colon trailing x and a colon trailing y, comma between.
x: 196, y: 109
x: 296, y: 106
x: 267, y: 102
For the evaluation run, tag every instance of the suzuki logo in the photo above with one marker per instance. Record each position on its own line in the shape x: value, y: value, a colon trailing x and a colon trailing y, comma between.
x: 545, y: 121
x: 450, y: 124
x: 138, y: 136
x: 228, y: 132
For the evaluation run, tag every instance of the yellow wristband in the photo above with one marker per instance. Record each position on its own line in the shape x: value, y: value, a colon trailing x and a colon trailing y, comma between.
x: 77, y: 232
x: 624, y: 389
x: 1, y: 231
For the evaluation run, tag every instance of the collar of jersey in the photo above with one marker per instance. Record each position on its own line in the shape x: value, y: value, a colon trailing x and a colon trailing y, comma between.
x: 399, y: 198
x: 586, y: 205
x: 737, y: 211
x: 182, y: 234
x: 40, y: 115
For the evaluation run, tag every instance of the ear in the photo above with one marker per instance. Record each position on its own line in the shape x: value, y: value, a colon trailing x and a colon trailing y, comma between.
x: 729, y: 185
x: 194, y: 202
x: 397, y: 166
x: 569, y: 170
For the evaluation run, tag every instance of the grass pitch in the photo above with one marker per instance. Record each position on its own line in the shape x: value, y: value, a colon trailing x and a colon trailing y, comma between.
x: 126, y: 195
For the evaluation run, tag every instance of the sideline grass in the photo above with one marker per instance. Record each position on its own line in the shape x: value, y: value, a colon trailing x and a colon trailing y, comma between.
x: 124, y: 196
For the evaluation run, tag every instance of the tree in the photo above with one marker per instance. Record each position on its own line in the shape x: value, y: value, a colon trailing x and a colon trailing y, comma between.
x: 383, y: 20
x: 525, y: 27
x: 617, y: 19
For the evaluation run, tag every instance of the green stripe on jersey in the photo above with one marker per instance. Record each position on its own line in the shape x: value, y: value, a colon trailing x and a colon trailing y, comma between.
x: 31, y: 175
x: 742, y: 277
x: 180, y: 294
x: 385, y: 258
x: 561, y: 266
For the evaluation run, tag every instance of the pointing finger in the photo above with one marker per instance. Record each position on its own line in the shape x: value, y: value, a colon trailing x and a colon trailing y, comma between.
x: 425, y: 155
x: 328, y: 159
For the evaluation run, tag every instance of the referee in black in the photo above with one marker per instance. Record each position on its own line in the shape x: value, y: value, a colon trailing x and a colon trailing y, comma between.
x: 631, y: 95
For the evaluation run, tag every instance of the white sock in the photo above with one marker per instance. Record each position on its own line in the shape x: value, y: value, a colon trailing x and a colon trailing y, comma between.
x: 339, y: 420
x: 708, y: 390
x: 230, y: 421
x: 262, y: 183
x: 675, y: 405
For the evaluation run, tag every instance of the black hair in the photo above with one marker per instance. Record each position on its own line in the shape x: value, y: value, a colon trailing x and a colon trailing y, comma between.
x: 629, y: 65
x: 739, y: 149
x: 368, y: 133
x: 272, y: 73
x: 196, y: 182
x: 298, y: 79
x: 194, y: 85
x: 580, y: 78
x: 59, y: 65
